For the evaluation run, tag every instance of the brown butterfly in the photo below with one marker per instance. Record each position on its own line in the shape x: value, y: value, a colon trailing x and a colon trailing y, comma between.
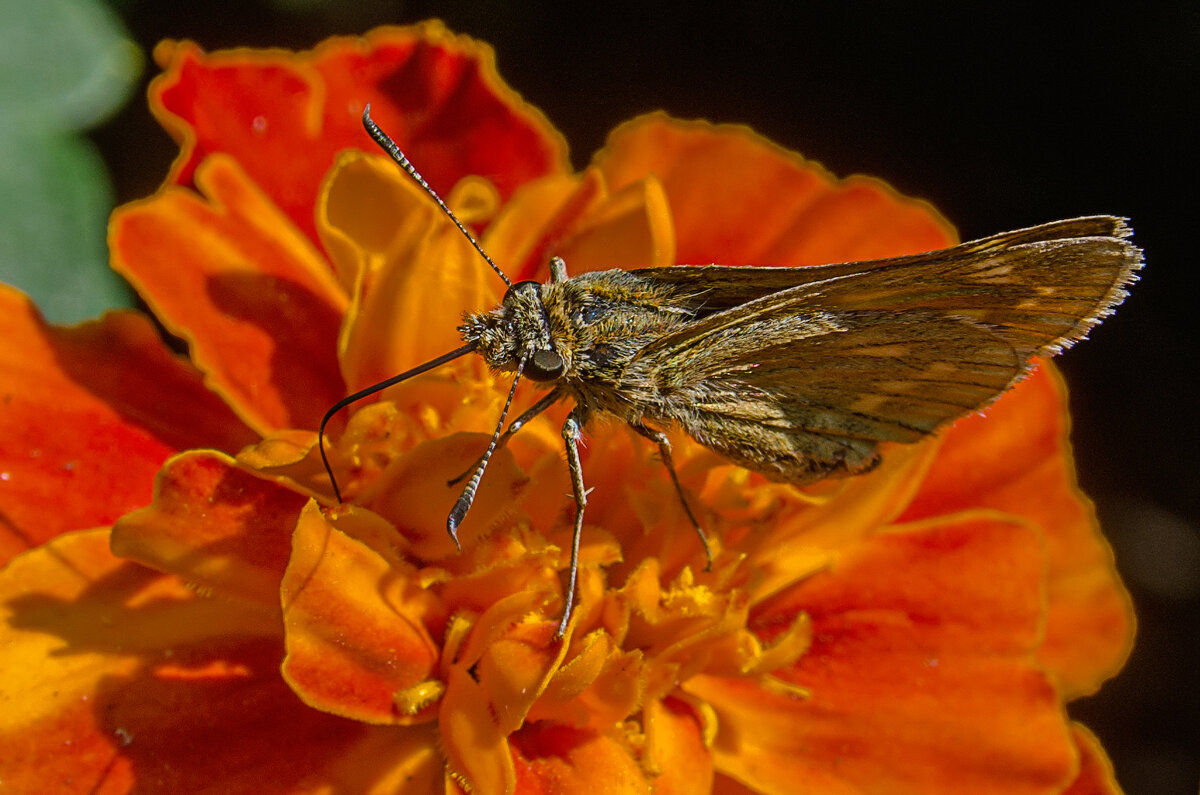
x: 797, y: 373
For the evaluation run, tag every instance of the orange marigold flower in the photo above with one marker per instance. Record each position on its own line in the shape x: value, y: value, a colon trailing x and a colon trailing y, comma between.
x: 915, y: 629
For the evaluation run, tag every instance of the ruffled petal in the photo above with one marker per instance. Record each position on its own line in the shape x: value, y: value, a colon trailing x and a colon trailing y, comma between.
x: 675, y: 754
x: 355, y: 621
x: 414, y: 495
x: 476, y: 749
x: 598, y: 687
x: 598, y: 228
x: 215, y: 524
x: 402, y: 251
x: 1016, y: 457
x: 738, y: 199
x: 561, y: 760
x: 284, y: 116
x: 1096, y: 776
x: 153, y: 688
x: 920, y: 678
x: 253, y: 298
x: 525, y: 228
x: 90, y: 413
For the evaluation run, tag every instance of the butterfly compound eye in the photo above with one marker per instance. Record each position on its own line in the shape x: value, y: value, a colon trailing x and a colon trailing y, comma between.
x: 545, y: 365
x: 520, y: 287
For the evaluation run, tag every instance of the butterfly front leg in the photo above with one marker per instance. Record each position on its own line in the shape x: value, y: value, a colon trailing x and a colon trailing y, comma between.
x: 664, y: 451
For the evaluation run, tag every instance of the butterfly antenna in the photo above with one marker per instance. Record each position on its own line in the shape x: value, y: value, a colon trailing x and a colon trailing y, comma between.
x: 389, y: 146
x: 371, y: 390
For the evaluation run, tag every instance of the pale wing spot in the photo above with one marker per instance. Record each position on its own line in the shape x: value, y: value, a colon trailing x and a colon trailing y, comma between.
x: 997, y: 275
x: 940, y: 369
x: 869, y: 404
x: 887, y: 351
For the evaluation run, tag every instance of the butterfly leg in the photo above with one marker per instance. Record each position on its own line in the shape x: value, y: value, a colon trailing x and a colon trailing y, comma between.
x: 571, y: 431
x: 664, y: 450
x: 546, y: 402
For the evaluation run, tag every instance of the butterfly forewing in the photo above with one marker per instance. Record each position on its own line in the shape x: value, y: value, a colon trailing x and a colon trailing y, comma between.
x: 802, y: 381
x: 1073, y: 272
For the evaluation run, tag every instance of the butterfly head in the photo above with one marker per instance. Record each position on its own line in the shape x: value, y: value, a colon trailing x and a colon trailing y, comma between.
x: 517, y: 330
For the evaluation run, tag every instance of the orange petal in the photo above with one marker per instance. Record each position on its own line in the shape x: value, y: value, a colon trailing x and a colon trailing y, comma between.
x: 630, y: 228
x: 1016, y: 457
x: 600, y: 686
x: 482, y: 703
x: 215, y: 524
x: 515, y: 668
x: 724, y: 785
x: 520, y: 235
x: 1096, y: 776
x: 562, y: 209
x: 90, y: 413
x: 589, y: 226
x: 418, y: 271
x: 284, y: 116
x: 804, y: 535
x: 565, y: 761
x: 290, y: 456
x: 738, y: 199
x: 414, y: 496
x: 475, y: 747
x: 675, y: 751
x: 354, y: 620
x: 920, y: 677
x: 155, y: 689
x: 255, y: 301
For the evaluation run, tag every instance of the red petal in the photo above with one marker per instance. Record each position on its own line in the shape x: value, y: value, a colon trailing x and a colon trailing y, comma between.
x: 675, y: 750
x: 921, y: 677
x: 215, y: 524
x: 90, y: 413
x: 116, y: 678
x: 1016, y: 458
x: 1096, y: 776
x: 564, y: 761
x: 738, y: 199
x: 354, y: 618
x: 284, y: 116
x: 255, y: 301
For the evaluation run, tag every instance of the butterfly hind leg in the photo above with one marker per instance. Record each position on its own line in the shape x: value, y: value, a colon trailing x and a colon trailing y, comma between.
x: 664, y: 451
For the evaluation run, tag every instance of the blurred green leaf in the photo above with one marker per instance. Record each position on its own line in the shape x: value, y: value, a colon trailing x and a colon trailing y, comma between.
x: 64, y: 65
x: 56, y: 205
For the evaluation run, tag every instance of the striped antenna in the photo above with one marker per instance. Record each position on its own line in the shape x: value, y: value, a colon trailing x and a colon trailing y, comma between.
x: 389, y: 146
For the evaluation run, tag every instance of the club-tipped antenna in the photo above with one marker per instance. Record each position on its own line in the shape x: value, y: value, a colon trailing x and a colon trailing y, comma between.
x: 389, y: 146
x: 371, y: 390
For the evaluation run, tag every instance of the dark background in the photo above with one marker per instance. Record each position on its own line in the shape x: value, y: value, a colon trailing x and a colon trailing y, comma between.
x: 1002, y: 118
